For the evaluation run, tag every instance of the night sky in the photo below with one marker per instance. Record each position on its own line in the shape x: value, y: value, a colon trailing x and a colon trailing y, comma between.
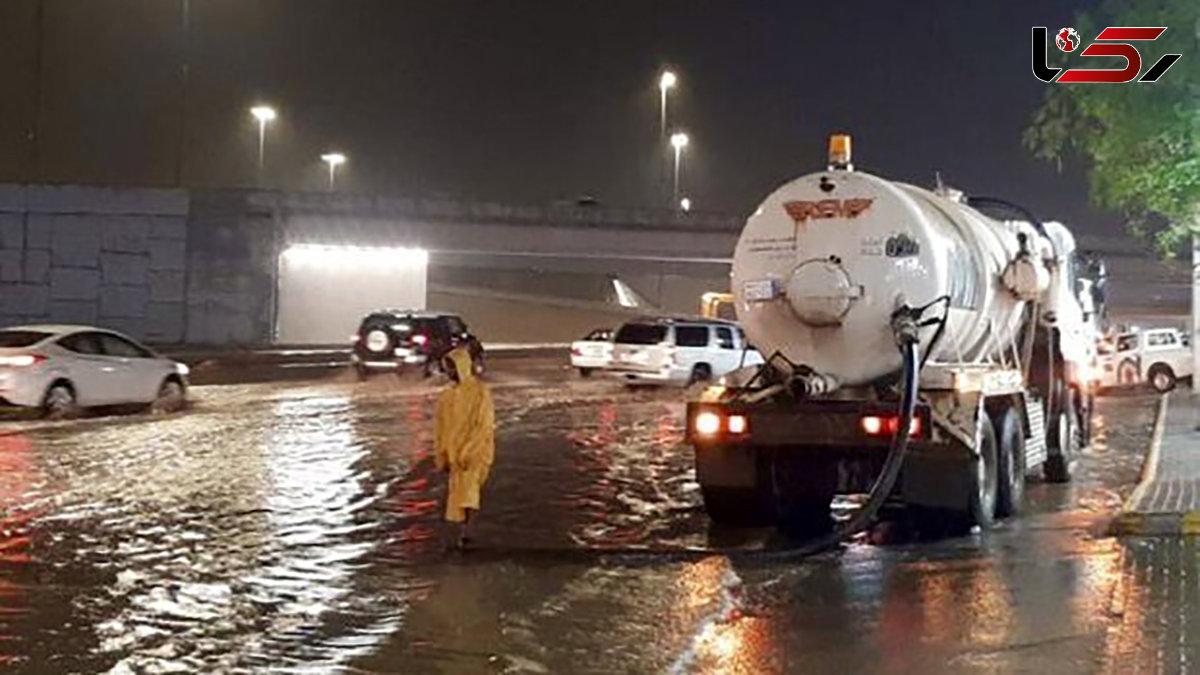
x: 532, y: 101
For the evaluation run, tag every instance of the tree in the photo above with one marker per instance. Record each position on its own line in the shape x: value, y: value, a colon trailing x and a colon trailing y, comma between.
x: 1141, y: 141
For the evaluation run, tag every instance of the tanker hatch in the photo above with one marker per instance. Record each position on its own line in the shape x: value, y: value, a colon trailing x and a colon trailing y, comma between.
x: 821, y: 292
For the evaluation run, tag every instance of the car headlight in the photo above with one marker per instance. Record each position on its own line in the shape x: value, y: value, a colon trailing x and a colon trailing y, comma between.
x: 182, y: 369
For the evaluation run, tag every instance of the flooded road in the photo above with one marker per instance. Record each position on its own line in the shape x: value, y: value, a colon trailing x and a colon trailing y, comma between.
x: 297, y: 529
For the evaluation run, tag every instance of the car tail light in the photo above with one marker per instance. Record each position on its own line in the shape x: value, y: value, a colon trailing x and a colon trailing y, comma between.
x: 22, y: 360
x: 876, y: 425
x: 736, y: 424
x: 420, y: 339
x: 576, y: 351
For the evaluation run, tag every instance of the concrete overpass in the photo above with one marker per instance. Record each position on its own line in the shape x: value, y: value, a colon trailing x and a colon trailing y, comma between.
x: 199, y: 266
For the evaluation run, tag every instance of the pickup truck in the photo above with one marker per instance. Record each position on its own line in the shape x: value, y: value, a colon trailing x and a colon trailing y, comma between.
x: 1158, y: 356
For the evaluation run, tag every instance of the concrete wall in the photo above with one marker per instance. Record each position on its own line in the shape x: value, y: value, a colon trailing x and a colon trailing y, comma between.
x: 115, y: 258
x: 200, y: 266
x: 232, y: 254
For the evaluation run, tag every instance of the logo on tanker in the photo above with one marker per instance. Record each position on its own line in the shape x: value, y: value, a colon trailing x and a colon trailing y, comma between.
x: 801, y: 211
x: 1112, y: 41
x: 1067, y: 39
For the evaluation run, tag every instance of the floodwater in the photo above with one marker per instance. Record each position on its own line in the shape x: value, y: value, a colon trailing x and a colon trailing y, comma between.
x: 296, y: 528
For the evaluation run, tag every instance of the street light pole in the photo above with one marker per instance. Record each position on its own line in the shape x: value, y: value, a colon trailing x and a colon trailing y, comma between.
x: 185, y: 20
x: 334, y: 160
x: 679, y: 141
x: 263, y: 114
x: 665, y: 82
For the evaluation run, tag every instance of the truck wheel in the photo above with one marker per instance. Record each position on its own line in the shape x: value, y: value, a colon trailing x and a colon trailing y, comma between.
x: 747, y: 504
x: 1061, y: 442
x: 701, y: 372
x: 361, y: 372
x: 585, y: 372
x: 736, y: 506
x: 1011, y: 493
x: 802, y: 490
x: 984, y: 478
x: 1162, y: 378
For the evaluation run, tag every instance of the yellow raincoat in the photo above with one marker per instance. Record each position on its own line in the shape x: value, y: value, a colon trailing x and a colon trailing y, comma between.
x: 464, y: 436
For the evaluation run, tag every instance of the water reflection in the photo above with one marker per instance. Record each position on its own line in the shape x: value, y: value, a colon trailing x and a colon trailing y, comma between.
x: 726, y: 640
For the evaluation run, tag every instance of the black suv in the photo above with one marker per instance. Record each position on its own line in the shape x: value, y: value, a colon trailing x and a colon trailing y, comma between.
x: 394, y: 339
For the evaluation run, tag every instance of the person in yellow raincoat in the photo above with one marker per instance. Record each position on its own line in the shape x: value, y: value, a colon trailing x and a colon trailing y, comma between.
x: 464, y: 437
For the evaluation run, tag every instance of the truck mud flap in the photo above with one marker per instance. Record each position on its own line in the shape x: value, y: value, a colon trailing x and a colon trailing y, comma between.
x: 1035, y: 442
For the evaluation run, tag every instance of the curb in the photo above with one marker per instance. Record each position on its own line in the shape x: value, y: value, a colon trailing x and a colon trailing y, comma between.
x: 1138, y: 524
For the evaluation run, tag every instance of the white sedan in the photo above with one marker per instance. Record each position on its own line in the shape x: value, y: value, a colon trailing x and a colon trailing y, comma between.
x: 593, y: 352
x: 60, y: 369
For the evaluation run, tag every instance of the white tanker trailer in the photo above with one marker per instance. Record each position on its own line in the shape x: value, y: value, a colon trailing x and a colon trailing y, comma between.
x: 897, y: 317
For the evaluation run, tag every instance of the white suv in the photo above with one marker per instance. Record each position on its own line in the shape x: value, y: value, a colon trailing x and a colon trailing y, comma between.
x: 1160, y: 356
x: 679, y: 351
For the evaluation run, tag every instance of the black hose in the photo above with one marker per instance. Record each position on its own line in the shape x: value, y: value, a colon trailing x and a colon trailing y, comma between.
x: 886, y: 480
x: 906, y: 326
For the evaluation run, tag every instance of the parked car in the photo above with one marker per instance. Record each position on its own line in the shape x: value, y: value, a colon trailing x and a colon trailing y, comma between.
x: 61, y: 369
x: 1159, y: 356
x: 593, y: 352
x: 395, y: 339
x: 679, y: 351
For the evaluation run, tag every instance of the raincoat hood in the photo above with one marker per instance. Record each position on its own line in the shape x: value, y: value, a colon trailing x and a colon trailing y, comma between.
x: 463, y: 365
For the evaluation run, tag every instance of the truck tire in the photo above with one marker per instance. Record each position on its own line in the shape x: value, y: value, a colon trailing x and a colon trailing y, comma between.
x: 743, y: 504
x: 1011, y: 493
x: 1162, y: 378
x: 802, y: 490
x: 737, y: 506
x: 984, y: 479
x: 982, y: 476
x: 701, y: 373
x: 1062, y: 442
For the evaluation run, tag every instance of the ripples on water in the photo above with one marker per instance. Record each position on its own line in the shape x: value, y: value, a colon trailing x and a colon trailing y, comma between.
x: 293, y: 531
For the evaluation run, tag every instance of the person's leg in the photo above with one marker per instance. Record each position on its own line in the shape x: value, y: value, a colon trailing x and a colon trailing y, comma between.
x: 462, y: 533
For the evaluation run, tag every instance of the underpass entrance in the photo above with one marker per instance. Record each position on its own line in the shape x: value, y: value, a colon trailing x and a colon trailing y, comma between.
x: 325, y: 291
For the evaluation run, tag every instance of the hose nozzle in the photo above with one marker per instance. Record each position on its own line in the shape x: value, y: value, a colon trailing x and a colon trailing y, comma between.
x: 906, y: 326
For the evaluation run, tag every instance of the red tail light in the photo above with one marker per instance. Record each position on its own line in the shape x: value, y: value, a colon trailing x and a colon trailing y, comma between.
x: 576, y: 351
x: 876, y: 425
x: 712, y: 423
x: 420, y: 339
x: 22, y: 360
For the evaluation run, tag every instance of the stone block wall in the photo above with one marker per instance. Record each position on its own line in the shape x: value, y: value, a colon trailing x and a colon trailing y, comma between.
x: 109, y: 257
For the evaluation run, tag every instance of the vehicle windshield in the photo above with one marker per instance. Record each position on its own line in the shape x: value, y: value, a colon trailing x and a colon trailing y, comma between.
x: 21, y: 338
x: 641, y: 334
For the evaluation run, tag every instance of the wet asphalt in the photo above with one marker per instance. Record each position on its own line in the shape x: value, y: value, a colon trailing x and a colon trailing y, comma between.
x: 295, y: 527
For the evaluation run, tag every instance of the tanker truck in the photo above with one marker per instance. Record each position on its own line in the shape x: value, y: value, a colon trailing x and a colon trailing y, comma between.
x: 922, y: 350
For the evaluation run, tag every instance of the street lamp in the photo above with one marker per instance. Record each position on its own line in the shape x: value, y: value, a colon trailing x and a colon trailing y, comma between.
x: 334, y: 160
x: 263, y: 114
x: 685, y: 204
x: 665, y: 82
x: 679, y: 141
